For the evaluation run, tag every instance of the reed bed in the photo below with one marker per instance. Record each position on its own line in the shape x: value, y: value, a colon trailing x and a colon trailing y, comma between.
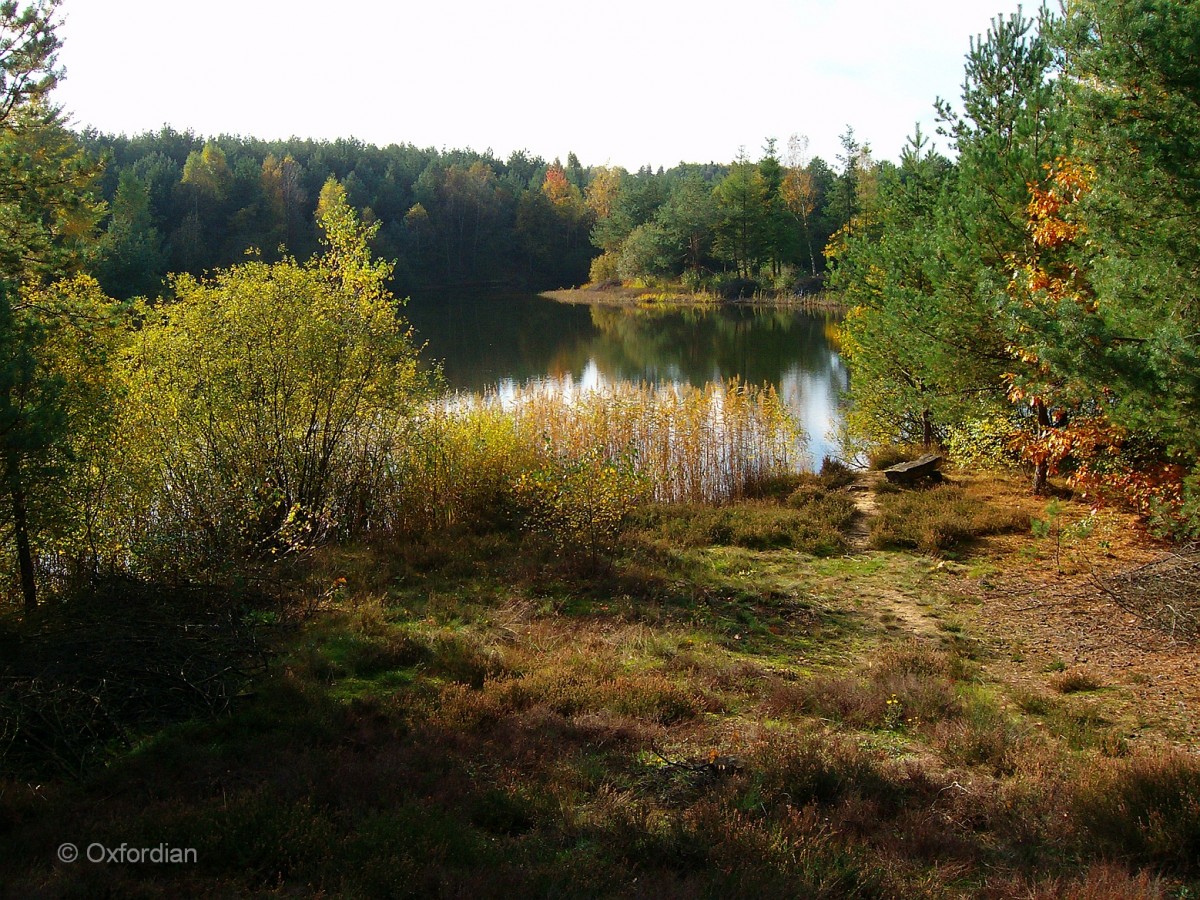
x: 691, y: 444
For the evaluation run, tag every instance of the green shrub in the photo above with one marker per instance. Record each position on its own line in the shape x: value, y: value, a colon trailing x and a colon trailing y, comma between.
x: 692, y: 281
x: 260, y: 402
x: 604, y: 269
x: 983, y: 443
x: 888, y: 455
x: 580, y: 504
x: 939, y: 519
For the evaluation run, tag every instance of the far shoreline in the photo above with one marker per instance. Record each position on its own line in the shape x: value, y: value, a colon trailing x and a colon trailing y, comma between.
x: 648, y: 298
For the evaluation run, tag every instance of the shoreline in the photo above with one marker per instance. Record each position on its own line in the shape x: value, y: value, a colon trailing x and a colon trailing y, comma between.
x: 645, y: 298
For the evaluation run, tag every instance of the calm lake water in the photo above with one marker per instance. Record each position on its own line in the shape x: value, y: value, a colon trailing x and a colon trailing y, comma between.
x: 502, y: 342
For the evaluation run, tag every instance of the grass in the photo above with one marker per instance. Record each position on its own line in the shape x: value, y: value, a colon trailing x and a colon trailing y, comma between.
x: 713, y: 715
x: 1078, y: 680
x: 941, y: 518
x: 815, y: 526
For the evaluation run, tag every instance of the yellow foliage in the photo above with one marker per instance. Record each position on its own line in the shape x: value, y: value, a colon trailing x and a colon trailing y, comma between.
x: 261, y: 399
x: 692, y: 444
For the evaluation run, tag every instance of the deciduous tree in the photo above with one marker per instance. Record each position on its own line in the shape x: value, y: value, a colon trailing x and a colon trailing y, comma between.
x: 263, y: 399
x: 799, y: 194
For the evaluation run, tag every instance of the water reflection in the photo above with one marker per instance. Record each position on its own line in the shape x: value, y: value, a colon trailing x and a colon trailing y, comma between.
x: 504, y: 342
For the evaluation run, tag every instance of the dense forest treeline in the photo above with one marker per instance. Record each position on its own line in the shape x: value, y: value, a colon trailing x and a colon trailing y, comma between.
x: 182, y: 203
x: 1035, y: 298
x: 178, y: 202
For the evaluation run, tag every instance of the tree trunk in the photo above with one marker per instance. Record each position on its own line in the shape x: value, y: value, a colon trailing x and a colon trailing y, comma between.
x: 16, y: 492
x: 1041, y: 468
x: 812, y: 259
x: 926, y: 429
x: 1041, y: 471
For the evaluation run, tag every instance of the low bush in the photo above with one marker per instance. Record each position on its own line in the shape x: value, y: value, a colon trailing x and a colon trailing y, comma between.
x: 905, y: 688
x: 938, y: 519
x: 796, y: 488
x: 733, y: 287
x: 832, y: 510
x: 835, y: 474
x: 775, y: 486
x: 260, y: 404
x: 815, y: 527
x: 1146, y: 808
x: 982, y: 736
x: 572, y: 688
x: 825, y: 769
x: 580, y: 505
x: 888, y: 455
x: 603, y: 270
x: 1102, y: 881
x: 1077, y: 681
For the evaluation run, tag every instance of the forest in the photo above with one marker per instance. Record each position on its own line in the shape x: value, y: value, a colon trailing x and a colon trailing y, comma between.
x: 279, y: 609
x: 181, y: 203
x: 1035, y: 298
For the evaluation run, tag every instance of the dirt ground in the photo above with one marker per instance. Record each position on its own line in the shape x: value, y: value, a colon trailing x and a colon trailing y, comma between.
x: 1035, y: 606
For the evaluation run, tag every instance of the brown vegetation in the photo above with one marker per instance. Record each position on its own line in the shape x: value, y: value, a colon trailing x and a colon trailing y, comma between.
x: 467, y: 712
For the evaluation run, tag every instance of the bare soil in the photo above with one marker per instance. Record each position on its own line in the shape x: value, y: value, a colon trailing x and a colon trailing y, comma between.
x: 1041, y: 618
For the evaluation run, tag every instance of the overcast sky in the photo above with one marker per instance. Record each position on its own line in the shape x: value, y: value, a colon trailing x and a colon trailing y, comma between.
x: 624, y: 82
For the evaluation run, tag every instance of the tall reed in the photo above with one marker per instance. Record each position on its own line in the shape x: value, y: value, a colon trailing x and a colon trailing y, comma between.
x: 691, y: 444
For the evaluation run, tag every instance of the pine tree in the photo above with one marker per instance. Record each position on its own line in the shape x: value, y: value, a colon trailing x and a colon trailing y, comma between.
x: 1135, y: 102
x: 50, y: 337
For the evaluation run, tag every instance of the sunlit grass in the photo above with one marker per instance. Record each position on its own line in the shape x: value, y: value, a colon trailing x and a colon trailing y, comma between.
x: 940, y: 519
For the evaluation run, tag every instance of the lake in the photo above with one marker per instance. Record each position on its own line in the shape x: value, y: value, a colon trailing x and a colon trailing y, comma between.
x: 498, y: 343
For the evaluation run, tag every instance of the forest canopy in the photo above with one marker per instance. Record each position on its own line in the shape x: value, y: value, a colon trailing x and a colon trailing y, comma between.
x: 178, y: 202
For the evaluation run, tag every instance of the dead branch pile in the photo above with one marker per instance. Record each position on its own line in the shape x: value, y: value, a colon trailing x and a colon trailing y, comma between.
x: 1164, y: 594
x: 103, y: 670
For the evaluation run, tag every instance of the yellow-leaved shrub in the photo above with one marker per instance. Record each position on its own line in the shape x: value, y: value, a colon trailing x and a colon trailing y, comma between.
x: 263, y: 402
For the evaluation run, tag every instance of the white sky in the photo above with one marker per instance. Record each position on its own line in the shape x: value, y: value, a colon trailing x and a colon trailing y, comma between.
x: 624, y: 82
